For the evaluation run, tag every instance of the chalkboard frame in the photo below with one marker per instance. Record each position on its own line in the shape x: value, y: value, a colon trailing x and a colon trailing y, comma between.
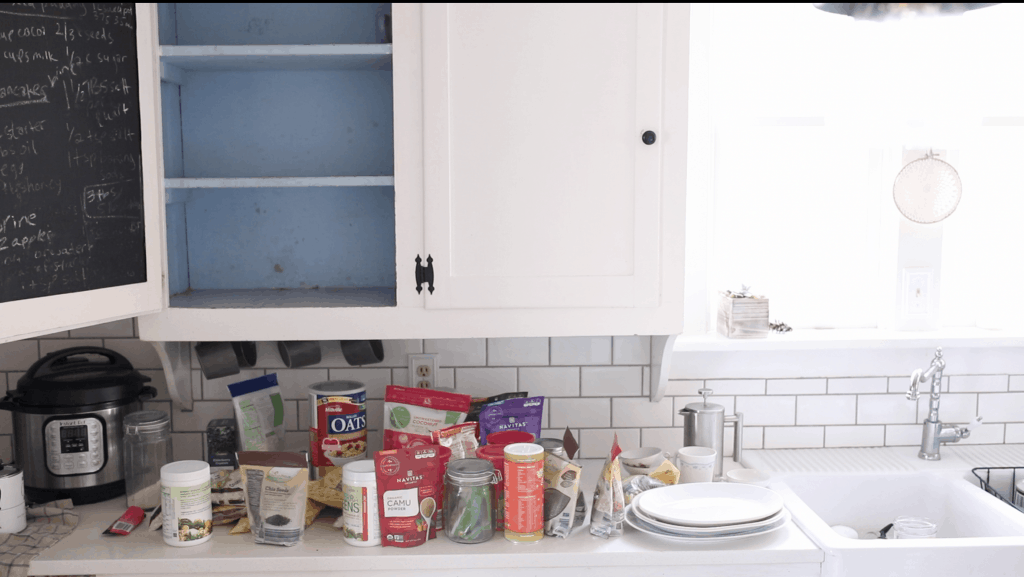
x: 44, y: 315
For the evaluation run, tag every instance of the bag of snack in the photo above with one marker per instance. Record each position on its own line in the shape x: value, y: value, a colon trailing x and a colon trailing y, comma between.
x: 275, y: 495
x: 259, y: 410
x: 512, y: 415
x: 479, y: 403
x: 411, y: 414
x: 561, y: 489
x: 608, y: 510
x: 409, y: 487
x: 463, y: 439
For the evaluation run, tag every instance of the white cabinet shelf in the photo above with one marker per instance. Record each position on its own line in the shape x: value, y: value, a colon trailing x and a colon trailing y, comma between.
x: 279, y: 182
x: 255, y: 58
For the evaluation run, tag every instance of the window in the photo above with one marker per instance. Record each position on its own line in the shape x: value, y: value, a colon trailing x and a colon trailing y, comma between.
x: 800, y: 121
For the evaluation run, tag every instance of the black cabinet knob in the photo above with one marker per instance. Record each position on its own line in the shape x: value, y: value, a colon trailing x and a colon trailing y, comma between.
x: 649, y: 137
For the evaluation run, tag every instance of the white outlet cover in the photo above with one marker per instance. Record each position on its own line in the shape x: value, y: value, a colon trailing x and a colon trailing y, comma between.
x: 423, y: 371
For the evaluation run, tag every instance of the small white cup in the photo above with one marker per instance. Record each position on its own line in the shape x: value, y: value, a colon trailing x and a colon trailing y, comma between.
x: 748, y: 477
x: 696, y: 464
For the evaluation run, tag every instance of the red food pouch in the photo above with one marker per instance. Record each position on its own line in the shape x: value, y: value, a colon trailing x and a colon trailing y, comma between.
x: 131, y: 519
x: 408, y: 494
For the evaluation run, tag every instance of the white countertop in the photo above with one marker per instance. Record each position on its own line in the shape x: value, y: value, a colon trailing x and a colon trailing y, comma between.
x: 86, y: 551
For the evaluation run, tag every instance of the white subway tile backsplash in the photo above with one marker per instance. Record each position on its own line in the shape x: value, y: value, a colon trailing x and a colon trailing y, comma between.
x: 121, y: 328
x: 583, y: 413
x: 753, y: 437
x: 376, y: 380
x: 1014, y: 433
x: 1000, y: 407
x: 900, y: 385
x: 197, y: 385
x: 291, y: 414
x: 396, y: 352
x: 458, y: 352
x: 794, y: 437
x: 684, y: 388
x: 826, y: 410
x: 596, y: 443
x: 858, y: 385
x: 550, y: 381
x: 217, y: 389
x: 305, y: 417
x: 633, y: 350
x: 374, y: 415
x: 767, y: 410
x: 520, y: 351
x: 641, y: 412
x: 188, y: 446
x: 668, y: 439
x: 728, y: 403
x: 902, y: 435
x: 611, y: 381
x: 47, y: 346
x: 7, y: 449
x: 736, y: 386
x: 445, y: 378
x: 581, y: 350
x: 885, y: 410
x: 986, y: 434
x: 295, y: 383
x: 201, y: 414
x: 485, y: 382
x: 1017, y: 382
x: 855, y: 436
x: 978, y: 383
x: 796, y: 386
x: 645, y: 386
x: 953, y: 408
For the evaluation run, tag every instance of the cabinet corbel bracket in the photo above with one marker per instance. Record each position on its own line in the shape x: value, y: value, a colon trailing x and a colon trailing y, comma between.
x: 661, y: 364
x: 177, y: 361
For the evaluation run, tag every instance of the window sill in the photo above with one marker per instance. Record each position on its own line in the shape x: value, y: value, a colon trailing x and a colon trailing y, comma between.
x: 825, y: 339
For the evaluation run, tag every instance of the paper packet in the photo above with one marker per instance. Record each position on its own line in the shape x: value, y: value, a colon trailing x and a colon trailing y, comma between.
x: 561, y: 489
x: 608, y: 512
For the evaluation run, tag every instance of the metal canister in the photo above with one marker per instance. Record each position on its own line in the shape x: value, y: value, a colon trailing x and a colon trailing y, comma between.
x: 524, y: 492
x: 470, y: 512
x: 337, y: 431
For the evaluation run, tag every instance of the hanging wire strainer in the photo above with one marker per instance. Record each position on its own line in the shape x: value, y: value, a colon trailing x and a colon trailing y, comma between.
x: 927, y: 190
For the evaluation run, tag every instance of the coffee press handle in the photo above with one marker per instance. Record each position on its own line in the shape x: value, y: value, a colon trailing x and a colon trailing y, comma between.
x: 737, y: 437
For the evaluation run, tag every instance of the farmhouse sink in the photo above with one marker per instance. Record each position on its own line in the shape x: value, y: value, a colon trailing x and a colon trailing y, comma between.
x: 978, y: 534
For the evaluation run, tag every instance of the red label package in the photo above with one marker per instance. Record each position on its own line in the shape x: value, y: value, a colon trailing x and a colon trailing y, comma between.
x: 410, y: 414
x: 408, y: 494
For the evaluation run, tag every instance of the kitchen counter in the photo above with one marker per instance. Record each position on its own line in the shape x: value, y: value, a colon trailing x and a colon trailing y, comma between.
x: 784, y: 552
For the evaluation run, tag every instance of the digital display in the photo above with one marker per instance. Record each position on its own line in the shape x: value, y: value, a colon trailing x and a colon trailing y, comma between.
x: 74, y: 439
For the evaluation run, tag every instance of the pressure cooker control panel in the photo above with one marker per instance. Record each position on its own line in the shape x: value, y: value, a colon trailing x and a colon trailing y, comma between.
x: 74, y: 446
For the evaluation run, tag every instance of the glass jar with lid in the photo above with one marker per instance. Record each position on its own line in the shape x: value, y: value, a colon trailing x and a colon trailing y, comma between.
x: 470, y: 512
x: 147, y: 448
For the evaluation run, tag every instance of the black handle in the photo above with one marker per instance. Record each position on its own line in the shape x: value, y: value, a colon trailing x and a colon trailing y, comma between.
x: 649, y: 137
x: 59, y: 361
x: 146, y: 394
x: 425, y: 274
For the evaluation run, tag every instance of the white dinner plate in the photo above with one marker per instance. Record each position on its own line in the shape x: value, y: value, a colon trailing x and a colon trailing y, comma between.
x: 694, y: 531
x: 710, y: 504
x: 640, y: 525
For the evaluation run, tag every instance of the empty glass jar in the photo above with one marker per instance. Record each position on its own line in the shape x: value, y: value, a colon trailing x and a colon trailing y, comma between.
x: 469, y: 504
x: 914, y: 528
x: 147, y: 447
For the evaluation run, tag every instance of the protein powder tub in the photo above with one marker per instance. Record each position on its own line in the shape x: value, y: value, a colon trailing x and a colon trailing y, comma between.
x: 188, y: 514
x: 359, y: 485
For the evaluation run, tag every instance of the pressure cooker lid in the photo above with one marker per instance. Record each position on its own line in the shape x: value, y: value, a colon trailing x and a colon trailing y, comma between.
x: 79, y: 376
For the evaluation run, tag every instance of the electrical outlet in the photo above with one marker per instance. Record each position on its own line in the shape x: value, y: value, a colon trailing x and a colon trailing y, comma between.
x: 916, y: 291
x: 423, y: 371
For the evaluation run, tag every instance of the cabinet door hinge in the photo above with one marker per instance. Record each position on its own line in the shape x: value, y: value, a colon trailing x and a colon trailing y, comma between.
x: 425, y: 274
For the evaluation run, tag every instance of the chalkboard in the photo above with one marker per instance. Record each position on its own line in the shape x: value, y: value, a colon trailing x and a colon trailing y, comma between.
x: 71, y: 212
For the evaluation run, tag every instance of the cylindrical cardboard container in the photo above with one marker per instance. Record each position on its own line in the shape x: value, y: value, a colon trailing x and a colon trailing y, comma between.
x: 524, y: 493
x: 337, y: 424
x: 188, y: 512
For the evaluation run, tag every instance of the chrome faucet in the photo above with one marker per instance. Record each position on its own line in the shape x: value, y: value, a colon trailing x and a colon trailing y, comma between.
x: 934, y: 431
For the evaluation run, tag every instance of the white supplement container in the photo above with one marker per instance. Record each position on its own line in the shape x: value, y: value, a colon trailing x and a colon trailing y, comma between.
x: 188, y: 514
x: 360, y: 513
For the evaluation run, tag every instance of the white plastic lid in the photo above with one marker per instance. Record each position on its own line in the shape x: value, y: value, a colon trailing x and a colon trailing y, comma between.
x: 523, y: 449
x: 359, y: 471
x: 185, y: 472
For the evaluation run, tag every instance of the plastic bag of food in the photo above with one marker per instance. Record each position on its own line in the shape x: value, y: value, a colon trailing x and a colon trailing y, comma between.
x: 462, y: 439
x: 636, y: 484
x: 479, y: 403
x: 512, y: 415
x: 409, y: 488
x: 259, y: 410
x: 561, y: 489
x: 275, y: 495
x: 411, y: 414
x: 608, y: 511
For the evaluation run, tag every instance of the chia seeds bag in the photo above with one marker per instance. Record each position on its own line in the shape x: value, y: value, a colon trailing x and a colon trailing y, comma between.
x: 275, y: 495
x: 512, y: 415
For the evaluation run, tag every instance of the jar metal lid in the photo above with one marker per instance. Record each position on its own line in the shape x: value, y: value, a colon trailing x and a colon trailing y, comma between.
x: 553, y: 446
x: 471, y: 472
x: 146, y: 422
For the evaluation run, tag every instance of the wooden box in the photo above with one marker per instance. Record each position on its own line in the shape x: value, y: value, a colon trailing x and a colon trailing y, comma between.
x: 745, y: 318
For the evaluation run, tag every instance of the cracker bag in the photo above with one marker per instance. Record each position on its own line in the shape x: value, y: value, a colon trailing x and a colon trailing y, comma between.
x: 608, y: 511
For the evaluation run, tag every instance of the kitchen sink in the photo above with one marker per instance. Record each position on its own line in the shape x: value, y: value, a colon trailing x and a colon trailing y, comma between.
x: 866, y: 489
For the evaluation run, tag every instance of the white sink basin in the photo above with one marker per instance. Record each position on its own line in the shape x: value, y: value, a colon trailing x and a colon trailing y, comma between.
x: 978, y: 534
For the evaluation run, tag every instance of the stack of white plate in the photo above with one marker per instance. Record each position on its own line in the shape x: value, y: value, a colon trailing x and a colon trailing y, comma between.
x: 707, y: 512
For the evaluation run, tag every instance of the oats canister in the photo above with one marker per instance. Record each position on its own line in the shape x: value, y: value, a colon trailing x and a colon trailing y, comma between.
x: 188, y: 513
x: 524, y: 492
x: 359, y: 513
x: 337, y: 431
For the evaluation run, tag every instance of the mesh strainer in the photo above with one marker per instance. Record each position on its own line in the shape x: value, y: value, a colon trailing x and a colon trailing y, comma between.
x: 927, y: 190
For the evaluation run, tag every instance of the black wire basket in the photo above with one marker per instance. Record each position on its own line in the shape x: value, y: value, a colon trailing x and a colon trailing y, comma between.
x: 1000, y: 481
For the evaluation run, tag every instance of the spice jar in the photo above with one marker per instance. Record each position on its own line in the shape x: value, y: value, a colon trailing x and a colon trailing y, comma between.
x: 147, y: 448
x: 469, y: 507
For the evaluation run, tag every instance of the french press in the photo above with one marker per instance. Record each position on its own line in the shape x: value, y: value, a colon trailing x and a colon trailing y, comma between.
x: 704, y: 426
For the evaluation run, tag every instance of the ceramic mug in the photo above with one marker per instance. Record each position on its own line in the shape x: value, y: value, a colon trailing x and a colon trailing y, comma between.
x: 696, y: 464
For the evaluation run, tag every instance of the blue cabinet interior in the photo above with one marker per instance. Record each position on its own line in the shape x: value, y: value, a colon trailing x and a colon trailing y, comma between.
x: 255, y: 93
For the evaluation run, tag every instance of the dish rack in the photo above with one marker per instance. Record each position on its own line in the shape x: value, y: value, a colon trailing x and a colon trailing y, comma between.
x: 996, y: 486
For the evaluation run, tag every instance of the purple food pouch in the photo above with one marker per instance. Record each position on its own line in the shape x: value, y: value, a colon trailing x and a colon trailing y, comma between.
x: 512, y: 415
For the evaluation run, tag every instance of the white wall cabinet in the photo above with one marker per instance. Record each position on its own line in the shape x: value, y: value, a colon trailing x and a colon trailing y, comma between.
x: 518, y: 166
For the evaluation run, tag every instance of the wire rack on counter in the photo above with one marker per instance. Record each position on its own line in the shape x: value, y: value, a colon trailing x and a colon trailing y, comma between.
x: 1000, y: 481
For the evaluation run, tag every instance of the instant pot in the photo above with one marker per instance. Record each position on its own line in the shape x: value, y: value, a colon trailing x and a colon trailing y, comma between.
x: 68, y: 431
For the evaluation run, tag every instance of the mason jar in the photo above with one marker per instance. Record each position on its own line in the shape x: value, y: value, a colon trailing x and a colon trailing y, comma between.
x: 469, y: 510
x: 147, y: 448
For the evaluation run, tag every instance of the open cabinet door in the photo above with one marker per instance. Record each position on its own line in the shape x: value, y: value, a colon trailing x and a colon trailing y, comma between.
x: 80, y: 216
